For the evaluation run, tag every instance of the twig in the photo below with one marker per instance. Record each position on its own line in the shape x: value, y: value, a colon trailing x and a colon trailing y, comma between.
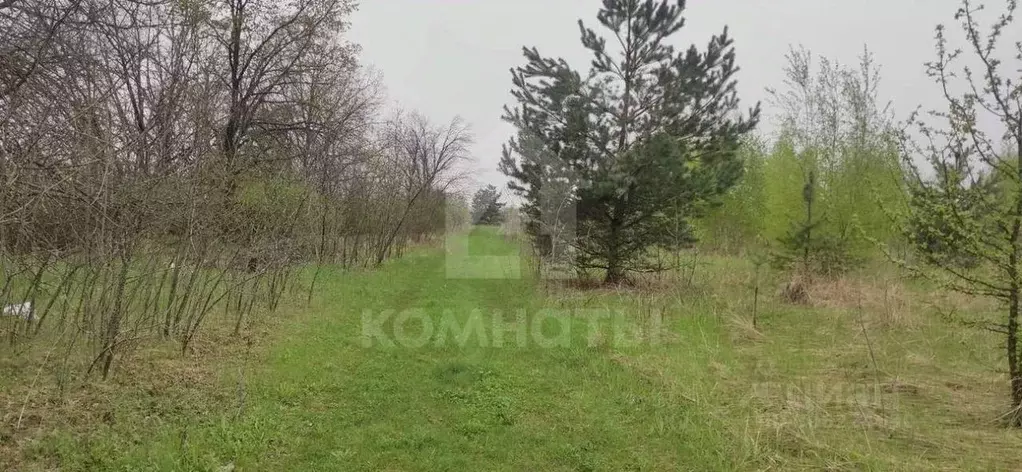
x: 872, y: 355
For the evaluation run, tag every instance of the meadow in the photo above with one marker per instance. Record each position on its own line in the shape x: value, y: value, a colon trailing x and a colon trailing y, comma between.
x: 872, y: 374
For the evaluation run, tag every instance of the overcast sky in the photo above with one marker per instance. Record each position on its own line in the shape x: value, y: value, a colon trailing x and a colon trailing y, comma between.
x: 452, y: 57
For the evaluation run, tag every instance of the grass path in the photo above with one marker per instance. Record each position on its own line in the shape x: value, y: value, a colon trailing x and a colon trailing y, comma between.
x: 801, y: 392
x: 321, y: 400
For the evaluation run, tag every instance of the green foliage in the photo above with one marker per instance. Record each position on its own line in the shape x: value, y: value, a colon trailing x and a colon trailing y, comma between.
x: 836, y: 143
x: 639, y: 158
x: 486, y: 207
x: 267, y: 198
x: 950, y: 212
x: 740, y: 218
x: 822, y: 253
x: 783, y: 184
x: 269, y: 205
x: 867, y: 180
x: 966, y: 220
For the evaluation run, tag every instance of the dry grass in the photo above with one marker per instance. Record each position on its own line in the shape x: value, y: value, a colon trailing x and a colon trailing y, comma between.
x: 153, y: 385
x: 871, y: 377
x: 885, y: 301
x: 869, y: 374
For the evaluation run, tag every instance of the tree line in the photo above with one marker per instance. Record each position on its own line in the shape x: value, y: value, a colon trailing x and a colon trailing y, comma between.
x: 170, y: 164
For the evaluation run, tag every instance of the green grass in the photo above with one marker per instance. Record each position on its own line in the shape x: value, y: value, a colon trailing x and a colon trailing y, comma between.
x: 714, y: 394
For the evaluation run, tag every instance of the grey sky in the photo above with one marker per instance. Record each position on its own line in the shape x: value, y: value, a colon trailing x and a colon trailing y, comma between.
x: 452, y: 57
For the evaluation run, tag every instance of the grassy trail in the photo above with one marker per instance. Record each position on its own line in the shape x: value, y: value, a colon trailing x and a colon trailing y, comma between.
x: 321, y: 400
x: 804, y: 391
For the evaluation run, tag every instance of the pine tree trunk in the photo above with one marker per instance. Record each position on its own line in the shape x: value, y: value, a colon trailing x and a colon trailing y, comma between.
x: 615, y: 274
x: 615, y: 266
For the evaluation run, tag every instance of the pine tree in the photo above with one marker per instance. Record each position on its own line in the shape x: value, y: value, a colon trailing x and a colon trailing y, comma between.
x: 647, y: 139
x: 486, y: 206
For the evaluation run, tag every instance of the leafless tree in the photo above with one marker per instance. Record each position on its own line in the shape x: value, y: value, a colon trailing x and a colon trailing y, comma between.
x: 167, y: 166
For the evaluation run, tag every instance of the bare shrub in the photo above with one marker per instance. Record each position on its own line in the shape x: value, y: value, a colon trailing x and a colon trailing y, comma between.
x: 167, y: 166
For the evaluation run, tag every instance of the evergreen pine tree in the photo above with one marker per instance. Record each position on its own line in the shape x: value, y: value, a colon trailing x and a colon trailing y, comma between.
x: 486, y: 207
x: 649, y: 136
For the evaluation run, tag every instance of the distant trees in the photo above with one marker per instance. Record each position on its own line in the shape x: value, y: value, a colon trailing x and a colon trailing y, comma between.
x: 486, y: 207
x: 816, y: 195
x: 971, y: 208
x: 842, y: 142
x: 739, y: 222
x: 643, y: 141
x: 424, y: 156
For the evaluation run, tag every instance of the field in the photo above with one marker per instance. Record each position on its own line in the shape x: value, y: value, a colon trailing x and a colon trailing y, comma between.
x: 672, y: 374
